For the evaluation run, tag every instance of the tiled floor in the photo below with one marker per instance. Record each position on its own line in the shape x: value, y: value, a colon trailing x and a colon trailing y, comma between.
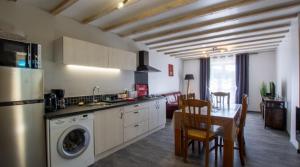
x: 265, y: 148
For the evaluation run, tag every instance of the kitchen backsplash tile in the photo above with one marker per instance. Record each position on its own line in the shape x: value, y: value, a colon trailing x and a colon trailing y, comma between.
x: 86, y: 99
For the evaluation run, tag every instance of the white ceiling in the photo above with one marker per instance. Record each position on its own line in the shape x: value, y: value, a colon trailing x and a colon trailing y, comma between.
x: 85, y: 8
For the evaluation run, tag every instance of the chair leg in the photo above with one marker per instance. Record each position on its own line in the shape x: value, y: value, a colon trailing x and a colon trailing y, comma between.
x: 186, y: 147
x: 199, y: 147
x: 207, y: 153
x: 221, y: 143
x: 244, y: 146
x: 216, y: 151
x: 240, y: 143
x: 193, y: 146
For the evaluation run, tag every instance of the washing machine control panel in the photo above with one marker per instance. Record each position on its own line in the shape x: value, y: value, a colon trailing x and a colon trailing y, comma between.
x: 71, y: 119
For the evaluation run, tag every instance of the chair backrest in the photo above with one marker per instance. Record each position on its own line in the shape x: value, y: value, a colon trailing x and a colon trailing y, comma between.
x: 193, y: 118
x: 220, y: 96
x: 243, y: 114
x: 183, y: 97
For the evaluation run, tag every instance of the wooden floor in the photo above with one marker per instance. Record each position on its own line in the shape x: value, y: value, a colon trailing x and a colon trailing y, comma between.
x: 265, y: 147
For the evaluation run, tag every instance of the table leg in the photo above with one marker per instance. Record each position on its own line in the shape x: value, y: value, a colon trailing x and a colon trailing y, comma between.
x: 228, y: 154
x: 178, y: 142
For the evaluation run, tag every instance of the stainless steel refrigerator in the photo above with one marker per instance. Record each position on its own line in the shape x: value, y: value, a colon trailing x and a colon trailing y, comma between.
x: 22, y: 138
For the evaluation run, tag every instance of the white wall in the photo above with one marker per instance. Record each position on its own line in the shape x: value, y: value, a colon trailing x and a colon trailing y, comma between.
x: 262, y: 68
x: 161, y: 82
x: 288, y: 75
x: 192, y: 67
x: 41, y: 27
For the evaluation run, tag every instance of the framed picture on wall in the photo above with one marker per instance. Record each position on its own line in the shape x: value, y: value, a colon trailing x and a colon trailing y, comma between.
x: 171, y: 70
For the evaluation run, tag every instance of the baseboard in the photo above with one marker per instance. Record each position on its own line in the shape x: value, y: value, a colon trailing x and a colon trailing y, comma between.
x: 253, y: 111
x: 295, y: 143
x: 117, y: 148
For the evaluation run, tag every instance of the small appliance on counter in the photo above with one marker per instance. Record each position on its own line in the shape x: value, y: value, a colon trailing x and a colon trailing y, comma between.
x: 60, y: 94
x: 142, y: 89
x: 132, y: 94
x: 50, y: 102
x: 113, y: 98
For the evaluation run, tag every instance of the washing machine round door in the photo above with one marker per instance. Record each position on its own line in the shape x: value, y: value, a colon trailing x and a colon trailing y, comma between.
x: 73, y: 142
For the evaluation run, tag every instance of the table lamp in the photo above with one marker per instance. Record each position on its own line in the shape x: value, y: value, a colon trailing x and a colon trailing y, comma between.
x: 188, y: 77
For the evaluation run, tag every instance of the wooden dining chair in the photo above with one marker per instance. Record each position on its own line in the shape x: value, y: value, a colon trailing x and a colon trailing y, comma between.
x: 197, y: 126
x: 240, y: 130
x: 241, y: 122
x: 220, y: 98
x: 180, y: 105
x: 184, y: 97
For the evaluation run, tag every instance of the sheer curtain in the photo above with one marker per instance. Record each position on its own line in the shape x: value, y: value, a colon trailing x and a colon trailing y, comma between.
x: 222, y: 75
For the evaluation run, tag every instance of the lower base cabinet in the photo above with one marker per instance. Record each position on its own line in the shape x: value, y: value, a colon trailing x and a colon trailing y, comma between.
x: 135, y: 130
x: 108, y: 129
x: 113, y: 127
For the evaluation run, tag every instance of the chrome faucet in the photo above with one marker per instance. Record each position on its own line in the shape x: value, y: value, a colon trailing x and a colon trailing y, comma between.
x: 94, y: 92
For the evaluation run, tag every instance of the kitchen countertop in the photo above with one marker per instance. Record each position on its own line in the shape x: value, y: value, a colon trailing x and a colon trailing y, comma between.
x: 75, y: 109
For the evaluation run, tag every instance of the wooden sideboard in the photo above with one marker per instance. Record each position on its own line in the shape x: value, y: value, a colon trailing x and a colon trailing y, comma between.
x: 274, y: 113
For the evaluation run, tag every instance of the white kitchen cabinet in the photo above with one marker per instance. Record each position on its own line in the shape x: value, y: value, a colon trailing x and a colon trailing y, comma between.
x: 136, y: 118
x: 78, y: 52
x: 97, y: 55
x: 162, y: 112
x: 122, y: 59
x: 73, y: 51
x: 108, y: 129
x: 153, y: 114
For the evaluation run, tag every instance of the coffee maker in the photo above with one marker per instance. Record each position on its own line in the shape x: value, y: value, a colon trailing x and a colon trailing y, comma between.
x: 50, y: 102
x: 60, y: 94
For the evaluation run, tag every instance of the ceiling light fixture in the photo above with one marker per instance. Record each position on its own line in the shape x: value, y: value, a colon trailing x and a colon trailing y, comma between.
x: 121, y: 4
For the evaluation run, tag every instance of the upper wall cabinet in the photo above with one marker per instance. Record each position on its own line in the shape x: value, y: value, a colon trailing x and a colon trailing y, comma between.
x: 122, y: 59
x: 78, y: 52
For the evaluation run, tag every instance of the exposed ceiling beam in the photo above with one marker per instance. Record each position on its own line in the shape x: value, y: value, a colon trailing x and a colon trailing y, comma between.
x: 231, y: 50
x: 214, y: 30
x: 62, y: 6
x: 261, y: 36
x: 230, y: 46
x: 148, y: 13
x: 187, y: 16
x: 233, y: 43
x: 224, y: 19
x: 113, y: 6
x: 243, y: 32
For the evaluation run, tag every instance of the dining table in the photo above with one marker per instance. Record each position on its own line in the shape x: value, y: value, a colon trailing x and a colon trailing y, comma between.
x: 226, y: 117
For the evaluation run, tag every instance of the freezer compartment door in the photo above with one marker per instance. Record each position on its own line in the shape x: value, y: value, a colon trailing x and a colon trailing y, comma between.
x: 22, y: 139
x: 19, y: 84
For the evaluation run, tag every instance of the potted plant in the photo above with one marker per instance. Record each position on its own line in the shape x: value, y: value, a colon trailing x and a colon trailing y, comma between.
x: 263, y: 89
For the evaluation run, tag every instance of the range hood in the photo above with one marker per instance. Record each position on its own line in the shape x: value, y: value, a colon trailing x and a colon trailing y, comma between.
x: 144, y: 63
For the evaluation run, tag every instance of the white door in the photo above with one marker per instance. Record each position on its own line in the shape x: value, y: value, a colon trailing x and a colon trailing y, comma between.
x: 162, y: 112
x: 153, y: 114
x: 108, y: 129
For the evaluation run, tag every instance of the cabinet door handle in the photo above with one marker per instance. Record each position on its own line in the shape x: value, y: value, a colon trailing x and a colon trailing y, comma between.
x: 136, y: 105
x: 136, y: 125
x: 136, y: 112
x: 121, y: 115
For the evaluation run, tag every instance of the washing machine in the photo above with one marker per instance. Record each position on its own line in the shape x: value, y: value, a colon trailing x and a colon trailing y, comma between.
x: 70, y: 141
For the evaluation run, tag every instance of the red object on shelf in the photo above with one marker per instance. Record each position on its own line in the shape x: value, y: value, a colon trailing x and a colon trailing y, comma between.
x: 171, y: 70
x: 142, y: 89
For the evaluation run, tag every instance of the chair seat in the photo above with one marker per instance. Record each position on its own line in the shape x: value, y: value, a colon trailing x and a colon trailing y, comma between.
x: 199, y: 134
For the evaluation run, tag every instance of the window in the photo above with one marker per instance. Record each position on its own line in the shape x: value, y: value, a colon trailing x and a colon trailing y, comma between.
x: 222, y: 75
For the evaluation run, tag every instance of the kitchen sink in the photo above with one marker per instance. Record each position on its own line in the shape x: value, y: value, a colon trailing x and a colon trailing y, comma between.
x: 99, y: 104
